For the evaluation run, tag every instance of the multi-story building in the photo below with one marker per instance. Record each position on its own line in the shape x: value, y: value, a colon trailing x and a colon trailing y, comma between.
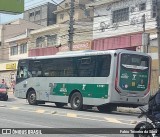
x: 42, y: 15
x: 121, y: 24
x: 14, y: 45
x: 11, y: 30
x: 49, y: 40
x: 46, y: 40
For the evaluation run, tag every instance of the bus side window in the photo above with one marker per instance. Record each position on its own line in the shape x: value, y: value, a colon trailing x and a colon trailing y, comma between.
x: 39, y: 73
x: 103, y: 65
x: 85, y: 68
x: 36, y: 69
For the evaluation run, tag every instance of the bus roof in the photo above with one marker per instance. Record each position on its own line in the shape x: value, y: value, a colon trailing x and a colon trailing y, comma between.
x: 85, y: 53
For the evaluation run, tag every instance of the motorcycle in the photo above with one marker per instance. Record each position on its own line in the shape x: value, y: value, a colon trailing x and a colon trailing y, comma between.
x: 147, y: 128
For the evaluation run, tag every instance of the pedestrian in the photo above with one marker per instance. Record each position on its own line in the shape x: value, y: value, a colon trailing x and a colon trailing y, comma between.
x: 156, y: 105
x: 13, y: 84
x: 3, y: 81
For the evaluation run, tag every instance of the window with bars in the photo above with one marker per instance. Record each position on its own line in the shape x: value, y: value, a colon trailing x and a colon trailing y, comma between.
x: 121, y: 15
x: 154, y: 9
x: 23, y: 48
x: 61, y: 16
x: 142, y: 6
x: 37, y: 12
x: 31, y: 14
x: 52, y: 40
x: 40, y: 41
x: 14, y: 50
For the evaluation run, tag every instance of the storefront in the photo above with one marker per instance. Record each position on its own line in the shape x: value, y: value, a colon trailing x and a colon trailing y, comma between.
x: 8, y: 73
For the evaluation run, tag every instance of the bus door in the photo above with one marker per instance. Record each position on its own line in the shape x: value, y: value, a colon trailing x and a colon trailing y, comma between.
x: 22, y: 79
x: 133, y: 74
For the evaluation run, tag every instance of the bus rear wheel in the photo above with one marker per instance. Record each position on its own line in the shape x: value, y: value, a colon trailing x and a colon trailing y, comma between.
x: 32, y: 98
x: 60, y: 105
x: 76, y: 101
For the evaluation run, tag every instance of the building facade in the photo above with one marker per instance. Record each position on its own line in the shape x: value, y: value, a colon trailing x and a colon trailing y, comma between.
x: 81, y: 13
x: 18, y: 46
x: 123, y: 18
x: 52, y: 39
x: 44, y: 41
x: 42, y: 15
x: 11, y: 30
x: 49, y: 40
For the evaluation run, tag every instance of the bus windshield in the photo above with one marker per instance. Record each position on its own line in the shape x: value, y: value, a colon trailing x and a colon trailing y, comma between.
x: 134, y: 72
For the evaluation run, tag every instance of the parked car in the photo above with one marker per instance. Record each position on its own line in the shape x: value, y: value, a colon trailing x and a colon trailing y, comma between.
x: 3, y: 92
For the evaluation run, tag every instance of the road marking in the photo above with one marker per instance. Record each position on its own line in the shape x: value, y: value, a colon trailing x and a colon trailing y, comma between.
x: 2, y: 105
x: 133, y: 122
x: 112, y: 120
x: 71, y: 115
x: 15, y: 108
x: 40, y: 111
x: 54, y: 112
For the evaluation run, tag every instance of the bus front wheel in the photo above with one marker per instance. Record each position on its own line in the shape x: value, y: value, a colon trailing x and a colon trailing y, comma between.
x: 76, y: 101
x: 32, y: 98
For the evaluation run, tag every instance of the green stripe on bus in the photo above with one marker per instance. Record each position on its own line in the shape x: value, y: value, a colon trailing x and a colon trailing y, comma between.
x: 87, y: 90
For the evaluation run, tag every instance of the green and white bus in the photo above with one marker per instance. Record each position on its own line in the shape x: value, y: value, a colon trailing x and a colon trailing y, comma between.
x: 105, y: 79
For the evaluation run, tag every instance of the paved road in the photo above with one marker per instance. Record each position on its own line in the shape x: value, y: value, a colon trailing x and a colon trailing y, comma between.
x: 16, y: 113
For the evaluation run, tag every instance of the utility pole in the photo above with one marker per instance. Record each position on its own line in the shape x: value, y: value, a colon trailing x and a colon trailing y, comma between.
x: 146, y: 36
x: 71, y: 29
x: 144, y: 29
x: 144, y: 22
x: 158, y: 30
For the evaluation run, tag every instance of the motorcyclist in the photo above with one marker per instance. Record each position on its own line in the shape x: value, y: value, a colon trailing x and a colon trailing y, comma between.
x: 156, y: 111
x: 156, y: 107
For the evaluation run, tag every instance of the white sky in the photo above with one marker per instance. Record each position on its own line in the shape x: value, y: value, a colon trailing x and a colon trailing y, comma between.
x: 4, y: 18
